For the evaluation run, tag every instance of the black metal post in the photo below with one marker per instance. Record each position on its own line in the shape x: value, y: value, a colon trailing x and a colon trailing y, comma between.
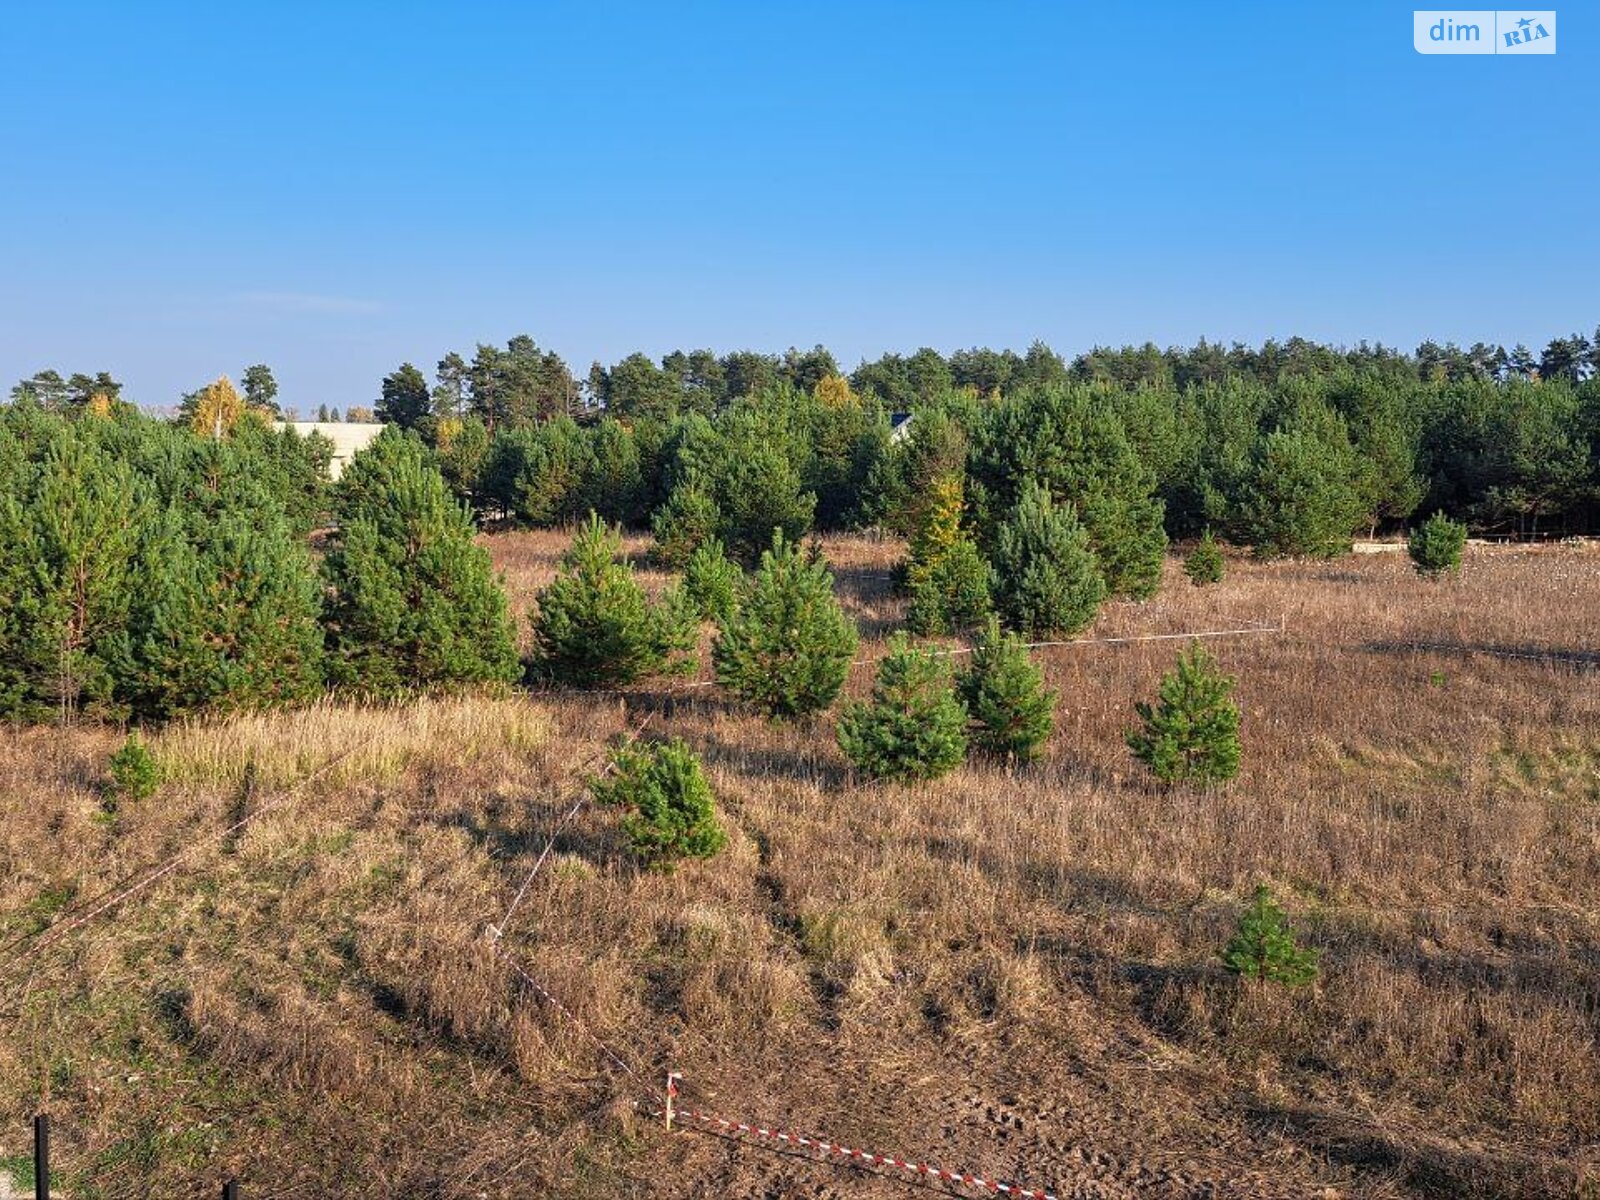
x: 41, y: 1157
x: 230, y: 1190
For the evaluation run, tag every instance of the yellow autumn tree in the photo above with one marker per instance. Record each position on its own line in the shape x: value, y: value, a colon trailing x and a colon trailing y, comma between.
x: 217, y: 409
x: 833, y: 391
x: 948, y: 581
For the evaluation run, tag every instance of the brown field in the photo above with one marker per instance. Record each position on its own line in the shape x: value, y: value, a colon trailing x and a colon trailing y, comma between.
x: 1009, y: 973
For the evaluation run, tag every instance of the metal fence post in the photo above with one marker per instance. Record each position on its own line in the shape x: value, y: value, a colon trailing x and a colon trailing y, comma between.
x: 41, y: 1157
x: 230, y: 1190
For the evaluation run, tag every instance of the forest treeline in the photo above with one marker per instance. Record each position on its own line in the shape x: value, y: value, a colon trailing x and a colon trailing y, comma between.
x: 1250, y: 442
x: 151, y: 568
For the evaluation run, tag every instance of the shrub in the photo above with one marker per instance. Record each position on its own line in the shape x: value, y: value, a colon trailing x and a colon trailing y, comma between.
x: 412, y: 601
x: 786, y: 649
x: 594, y: 626
x: 1204, y: 564
x: 1045, y: 574
x: 1263, y: 947
x: 1192, y: 734
x: 1011, y: 711
x: 914, y: 727
x: 135, y: 774
x: 671, y: 811
x: 711, y: 581
x: 1435, y: 546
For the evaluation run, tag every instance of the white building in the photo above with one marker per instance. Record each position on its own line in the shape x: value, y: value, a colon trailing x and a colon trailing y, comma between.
x: 347, y: 437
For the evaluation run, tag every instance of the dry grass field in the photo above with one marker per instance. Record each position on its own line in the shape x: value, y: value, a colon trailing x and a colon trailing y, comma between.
x: 1011, y: 973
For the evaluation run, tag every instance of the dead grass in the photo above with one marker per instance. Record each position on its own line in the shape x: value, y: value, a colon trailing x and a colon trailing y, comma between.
x: 1015, y: 972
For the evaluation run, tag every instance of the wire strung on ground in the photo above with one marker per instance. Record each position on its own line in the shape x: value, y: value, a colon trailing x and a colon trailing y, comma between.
x: 30, y: 944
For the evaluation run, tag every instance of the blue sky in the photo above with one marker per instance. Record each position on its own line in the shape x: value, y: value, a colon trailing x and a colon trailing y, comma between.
x: 334, y: 188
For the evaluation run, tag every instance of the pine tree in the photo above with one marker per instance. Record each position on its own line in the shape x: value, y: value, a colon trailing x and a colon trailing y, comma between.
x: 688, y: 518
x: 593, y: 625
x: 758, y: 491
x: 412, y: 600
x: 946, y: 576
x: 1264, y: 949
x: 1192, y: 734
x: 1435, y: 546
x: 1070, y: 440
x: 1012, y: 712
x: 671, y: 811
x: 1205, y: 563
x: 1046, y: 576
x: 228, y: 616
x: 786, y: 649
x: 1302, y: 497
x: 712, y: 580
x: 70, y: 525
x: 135, y: 774
x: 914, y: 727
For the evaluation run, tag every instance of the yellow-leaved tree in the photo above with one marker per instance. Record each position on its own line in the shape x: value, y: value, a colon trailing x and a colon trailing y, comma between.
x: 833, y: 391
x: 217, y: 408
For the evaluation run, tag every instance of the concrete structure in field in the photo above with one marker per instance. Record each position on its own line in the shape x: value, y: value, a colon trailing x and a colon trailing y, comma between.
x: 347, y: 437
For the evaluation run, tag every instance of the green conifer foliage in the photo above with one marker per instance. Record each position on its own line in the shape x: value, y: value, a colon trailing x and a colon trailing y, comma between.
x: 1011, y: 711
x: 135, y: 775
x: 671, y: 811
x: 1205, y: 565
x: 1192, y: 734
x: 948, y: 580
x: 914, y: 727
x: 70, y: 525
x: 228, y: 618
x: 412, y: 600
x: 712, y: 580
x: 786, y: 649
x: 1264, y: 949
x: 689, y: 518
x: 593, y: 625
x: 1046, y: 577
x: 1435, y: 546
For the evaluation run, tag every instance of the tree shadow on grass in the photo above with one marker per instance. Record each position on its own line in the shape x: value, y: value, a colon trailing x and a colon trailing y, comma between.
x: 1423, y: 1167
x: 1570, y: 659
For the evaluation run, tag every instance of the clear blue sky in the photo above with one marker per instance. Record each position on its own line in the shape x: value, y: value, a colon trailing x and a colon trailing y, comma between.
x: 333, y: 188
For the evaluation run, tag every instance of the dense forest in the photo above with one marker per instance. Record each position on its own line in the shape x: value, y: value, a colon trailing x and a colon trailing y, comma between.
x: 152, y: 567
x: 1226, y: 435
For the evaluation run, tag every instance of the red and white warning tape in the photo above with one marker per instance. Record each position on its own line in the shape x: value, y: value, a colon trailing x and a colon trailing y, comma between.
x: 864, y: 1157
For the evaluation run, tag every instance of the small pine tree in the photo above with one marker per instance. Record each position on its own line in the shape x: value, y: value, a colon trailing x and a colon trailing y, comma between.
x: 946, y: 576
x: 135, y: 774
x: 914, y: 727
x: 593, y: 625
x: 1263, y: 948
x: 1012, y: 712
x: 671, y: 812
x: 689, y: 518
x: 1204, y: 564
x: 1192, y: 734
x: 711, y: 579
x: 1435, y: 546
x: 954, y: 594
x: 1046, y: 576
x: 412, y: 600
x: 786, y: 648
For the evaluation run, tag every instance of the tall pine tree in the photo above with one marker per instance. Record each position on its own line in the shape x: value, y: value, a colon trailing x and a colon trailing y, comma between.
x: 413, y: 602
